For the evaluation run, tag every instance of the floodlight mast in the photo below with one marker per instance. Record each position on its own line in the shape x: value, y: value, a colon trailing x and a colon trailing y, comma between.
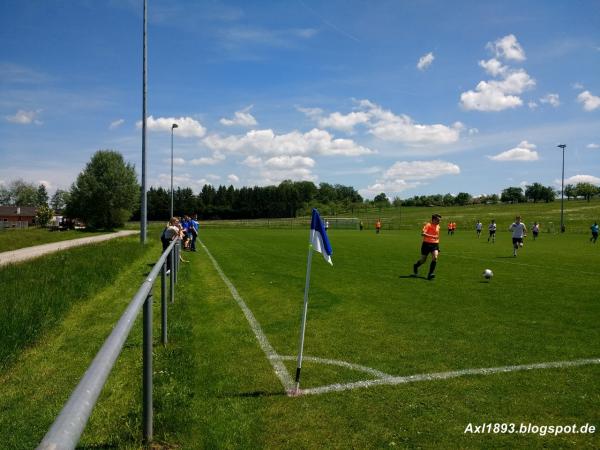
x: 562, y: 190
x: 144, y: 205
x: 172, y: 128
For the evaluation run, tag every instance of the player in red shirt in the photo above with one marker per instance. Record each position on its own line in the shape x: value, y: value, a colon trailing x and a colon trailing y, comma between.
x: 431, y: 241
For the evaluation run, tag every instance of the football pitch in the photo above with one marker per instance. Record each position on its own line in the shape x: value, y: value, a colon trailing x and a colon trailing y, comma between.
x: 397, y: 360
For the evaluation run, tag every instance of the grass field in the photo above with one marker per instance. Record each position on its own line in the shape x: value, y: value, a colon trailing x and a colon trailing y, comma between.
x: 215, y: 388
x: 13, y: 239
x: 540, y: 307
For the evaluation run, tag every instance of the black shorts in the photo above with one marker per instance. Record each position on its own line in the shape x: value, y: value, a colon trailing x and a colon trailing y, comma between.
x: 517, y: 240
x: 492, y: 232
x: 427, y: 248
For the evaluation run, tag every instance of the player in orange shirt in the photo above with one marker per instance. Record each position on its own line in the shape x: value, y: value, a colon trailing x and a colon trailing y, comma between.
x: 431, y: 241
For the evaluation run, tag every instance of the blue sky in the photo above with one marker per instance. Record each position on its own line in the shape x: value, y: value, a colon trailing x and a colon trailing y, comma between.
x: 402, y: 97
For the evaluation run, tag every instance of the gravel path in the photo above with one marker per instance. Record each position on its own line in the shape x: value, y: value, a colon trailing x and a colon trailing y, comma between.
x: 23, y: 254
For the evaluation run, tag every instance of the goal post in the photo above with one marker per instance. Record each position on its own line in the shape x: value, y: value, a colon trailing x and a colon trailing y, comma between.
x: 342, y: 223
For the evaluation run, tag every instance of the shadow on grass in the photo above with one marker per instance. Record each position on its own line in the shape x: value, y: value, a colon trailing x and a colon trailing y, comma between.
x: 252, y: 394
x: 413, y: 277
x: 506, y: 257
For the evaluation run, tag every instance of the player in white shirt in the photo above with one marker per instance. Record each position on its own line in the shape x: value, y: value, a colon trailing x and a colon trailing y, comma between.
x: 492, y: 230
x: 478, y: 227
x: 519, y: 231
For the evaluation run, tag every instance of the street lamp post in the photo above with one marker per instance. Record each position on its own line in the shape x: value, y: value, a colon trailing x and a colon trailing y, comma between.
x: 144, y: 199
x: 562, y: 190
x: 172, y: 128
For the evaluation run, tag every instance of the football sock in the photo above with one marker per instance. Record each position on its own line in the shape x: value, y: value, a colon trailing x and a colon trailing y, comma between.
x: 432, y: 267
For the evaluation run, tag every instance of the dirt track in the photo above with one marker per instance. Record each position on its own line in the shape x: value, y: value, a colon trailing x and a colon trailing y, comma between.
x: 23, y: 254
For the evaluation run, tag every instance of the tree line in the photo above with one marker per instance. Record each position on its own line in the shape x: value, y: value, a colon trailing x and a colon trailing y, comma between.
x: 107, y: 193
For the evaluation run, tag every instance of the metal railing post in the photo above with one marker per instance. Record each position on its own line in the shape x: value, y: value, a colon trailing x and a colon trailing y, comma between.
x: 172, y: 277
x: 176, y: 262
x: 147, y: 370
x: 163, y: 303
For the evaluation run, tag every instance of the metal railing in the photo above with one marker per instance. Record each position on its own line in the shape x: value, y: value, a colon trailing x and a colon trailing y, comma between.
x: 70, y: 423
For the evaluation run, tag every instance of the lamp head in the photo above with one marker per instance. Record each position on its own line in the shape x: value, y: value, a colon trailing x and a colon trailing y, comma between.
x: 561, y: 146
x: 174, y: 126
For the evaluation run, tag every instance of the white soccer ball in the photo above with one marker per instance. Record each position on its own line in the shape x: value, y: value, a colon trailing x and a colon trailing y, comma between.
x: 487, y: 274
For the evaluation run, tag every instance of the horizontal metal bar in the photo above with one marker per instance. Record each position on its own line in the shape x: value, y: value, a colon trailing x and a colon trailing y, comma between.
x: 70, y: 423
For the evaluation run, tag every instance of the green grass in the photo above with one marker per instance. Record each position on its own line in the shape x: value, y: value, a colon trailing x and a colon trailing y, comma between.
x: 100, y: 281
x: 14, y: 239
x: 214, y: 387
x: 35, y: 296
x: 540, y: 307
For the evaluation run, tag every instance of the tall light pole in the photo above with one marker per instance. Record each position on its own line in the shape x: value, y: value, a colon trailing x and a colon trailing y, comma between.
x: 562, y: 190
x: 172, y: 128
x: 144, y: 206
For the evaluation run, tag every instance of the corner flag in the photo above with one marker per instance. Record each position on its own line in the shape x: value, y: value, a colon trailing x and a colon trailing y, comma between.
x: 319, y: 242
x: 318, y: 237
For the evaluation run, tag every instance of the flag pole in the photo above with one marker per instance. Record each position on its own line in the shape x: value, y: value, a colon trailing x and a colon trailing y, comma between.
x: 304, y: 312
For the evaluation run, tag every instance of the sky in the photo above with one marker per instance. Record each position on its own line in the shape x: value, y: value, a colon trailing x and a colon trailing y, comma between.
x: 402, y: 97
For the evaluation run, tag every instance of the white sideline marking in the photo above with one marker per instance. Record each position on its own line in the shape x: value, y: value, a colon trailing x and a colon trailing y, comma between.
x: 272, y: 356
x: 335, y: 362
x: 445, y: 375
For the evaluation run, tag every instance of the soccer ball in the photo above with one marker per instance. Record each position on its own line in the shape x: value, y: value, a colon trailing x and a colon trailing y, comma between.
x: 488, y: 274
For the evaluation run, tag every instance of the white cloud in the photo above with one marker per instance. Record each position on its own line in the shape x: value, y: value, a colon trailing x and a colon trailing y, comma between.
x: 425, y: 61
x: 522, y: 152
x: 311, y: 112
x: 497, y: 95
x: 532, y: 105
x: 390, y: 127
x: 581, y: 179
x: 493, y: 67
x: 343, y: 122
x: 23, y: 117
x: 590, y: 102
x: 473, y: 131
x: 178, y: 162
x: 593, y: 145
x: 404, y: 175
x: 276, y: 169
x: 577, y: 85
x: 387, y: 126
x: 216, y: 158
x: 551, y: 99
x: 507, y: 48
x: 233, y: 178
x: 116, y: 124
x: 186, y: 126
x: 242, y: 118
x: 266, y: 142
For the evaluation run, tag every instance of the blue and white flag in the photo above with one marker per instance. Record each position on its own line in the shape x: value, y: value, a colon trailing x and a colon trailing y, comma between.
x: 318, y: 237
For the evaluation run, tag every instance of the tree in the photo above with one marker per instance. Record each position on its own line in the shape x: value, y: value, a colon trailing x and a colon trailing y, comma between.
x: 570, y: 191
x: 463, y: 198
x: 41, y: 198
x: 535, y: 192
x: 21, y: 193
x: 43, y: 215
x: 513, y: 195
x: 586, y: 190
x: 59, y: 200
x: 106, y: 192
x: 381, y: 200
x: 548, y: 194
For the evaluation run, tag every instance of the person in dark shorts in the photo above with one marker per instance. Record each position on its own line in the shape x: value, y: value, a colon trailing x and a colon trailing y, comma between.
x: 430, y: 245
x: 594, y: 229
x: 492, y: 230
